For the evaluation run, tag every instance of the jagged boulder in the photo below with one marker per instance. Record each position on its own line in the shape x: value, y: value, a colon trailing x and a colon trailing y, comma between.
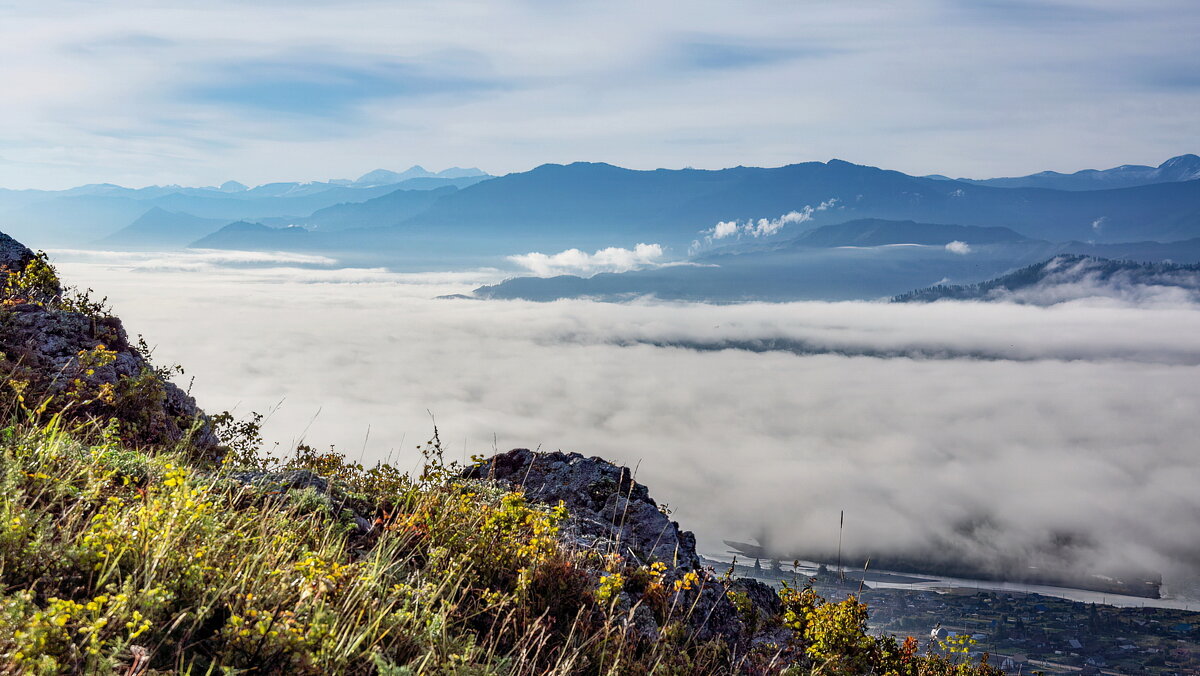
x: 609, y: 510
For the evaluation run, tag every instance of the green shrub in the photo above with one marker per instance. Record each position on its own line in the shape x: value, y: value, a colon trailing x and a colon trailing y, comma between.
x: 37, y: 283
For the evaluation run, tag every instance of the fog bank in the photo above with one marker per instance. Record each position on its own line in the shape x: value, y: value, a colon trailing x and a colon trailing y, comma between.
x: 998, y: 431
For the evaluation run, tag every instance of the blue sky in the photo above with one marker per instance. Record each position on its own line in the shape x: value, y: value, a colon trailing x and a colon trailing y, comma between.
x: 160, y: 92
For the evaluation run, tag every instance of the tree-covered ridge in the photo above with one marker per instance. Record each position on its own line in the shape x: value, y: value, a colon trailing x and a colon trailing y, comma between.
x: 1087, y: 274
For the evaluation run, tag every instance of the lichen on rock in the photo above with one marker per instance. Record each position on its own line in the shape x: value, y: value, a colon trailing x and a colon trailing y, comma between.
x: 610, y: 511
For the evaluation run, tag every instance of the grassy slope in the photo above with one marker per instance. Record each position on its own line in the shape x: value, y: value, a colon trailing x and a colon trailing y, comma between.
x: 117, y: 558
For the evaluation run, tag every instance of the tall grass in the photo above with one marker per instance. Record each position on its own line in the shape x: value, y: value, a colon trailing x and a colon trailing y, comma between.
x: 105, y: 548
x: 118, y: 560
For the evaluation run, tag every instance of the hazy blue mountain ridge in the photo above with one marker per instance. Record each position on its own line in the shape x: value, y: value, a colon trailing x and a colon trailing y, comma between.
x: 593, y: 206
x: 90, y: 213
x: 385, y: 210
x: 251, y: 236
x: 596, y: 205
x: 388, y: 177
x: 161, y: 228
x: 1180, y: 168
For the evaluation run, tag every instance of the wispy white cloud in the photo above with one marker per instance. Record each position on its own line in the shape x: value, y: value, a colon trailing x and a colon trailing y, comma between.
x: 957, y: 247
x: 762, y: 227
x: 757, y: 228
x: 576, y: 262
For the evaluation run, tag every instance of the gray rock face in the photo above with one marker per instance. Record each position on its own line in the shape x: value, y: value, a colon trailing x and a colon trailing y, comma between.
x: 610, y: 511
x: 41, y: 343
x: 46, y: 342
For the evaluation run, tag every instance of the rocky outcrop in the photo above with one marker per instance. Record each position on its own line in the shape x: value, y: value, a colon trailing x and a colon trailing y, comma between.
x: 78, y: 354
x: 610, y: 513
x: 14, y: 256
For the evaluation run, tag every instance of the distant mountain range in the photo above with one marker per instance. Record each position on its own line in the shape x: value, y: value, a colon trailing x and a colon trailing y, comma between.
x: 816, y: 230
x: 592, y: 206
x: 1070, y: 277
x: 94, y: 213
x: 1181, y: 168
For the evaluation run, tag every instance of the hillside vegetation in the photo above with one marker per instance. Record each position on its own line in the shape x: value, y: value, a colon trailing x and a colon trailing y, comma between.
x: 134, y: 541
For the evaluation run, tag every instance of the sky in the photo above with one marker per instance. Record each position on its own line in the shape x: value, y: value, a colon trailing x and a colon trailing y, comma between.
x: 991, y: 432
x: 141, y: 93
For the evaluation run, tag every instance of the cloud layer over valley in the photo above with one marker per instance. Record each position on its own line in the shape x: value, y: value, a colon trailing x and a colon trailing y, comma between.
x: 985, y: 429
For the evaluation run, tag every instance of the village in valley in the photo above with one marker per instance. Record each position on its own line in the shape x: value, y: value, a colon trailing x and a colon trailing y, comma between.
x: 1023, y: 633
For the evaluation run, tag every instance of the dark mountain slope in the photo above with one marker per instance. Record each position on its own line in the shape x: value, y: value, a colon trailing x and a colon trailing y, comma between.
x: 1070, y: 277
x: 388, y: 210
x: 253, y: 237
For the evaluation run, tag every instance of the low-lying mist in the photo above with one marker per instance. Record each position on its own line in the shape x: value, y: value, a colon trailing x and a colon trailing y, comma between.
x: 1001, y: 433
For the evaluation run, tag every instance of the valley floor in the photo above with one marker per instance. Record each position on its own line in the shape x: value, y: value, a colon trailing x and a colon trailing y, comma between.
x: 1024, y: 631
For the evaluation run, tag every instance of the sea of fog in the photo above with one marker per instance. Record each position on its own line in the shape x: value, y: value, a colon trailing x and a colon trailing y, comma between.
x: 996, y: 431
